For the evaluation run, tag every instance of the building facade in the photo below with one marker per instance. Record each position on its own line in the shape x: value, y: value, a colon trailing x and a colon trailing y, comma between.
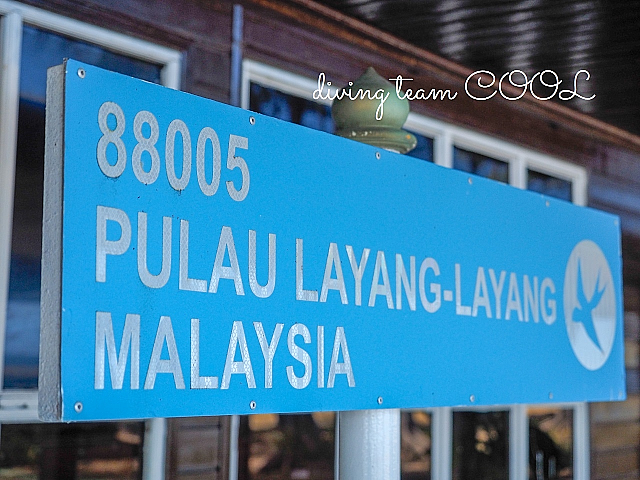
x: 266, y: 55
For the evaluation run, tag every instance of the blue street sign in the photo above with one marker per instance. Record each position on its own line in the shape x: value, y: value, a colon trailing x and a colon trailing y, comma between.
x: 200, y: 259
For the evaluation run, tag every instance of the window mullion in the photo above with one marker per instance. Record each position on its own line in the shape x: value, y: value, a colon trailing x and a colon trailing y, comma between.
x: 580, y: 196
x: 170, y: 74
x: 10, y: 46
x: 444, y: 149
x: 19, y: 406
x: 518, y: 173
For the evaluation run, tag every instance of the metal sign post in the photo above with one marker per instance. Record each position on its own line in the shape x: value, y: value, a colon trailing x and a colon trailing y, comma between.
x: 369, y: 440
x: 369, y: 444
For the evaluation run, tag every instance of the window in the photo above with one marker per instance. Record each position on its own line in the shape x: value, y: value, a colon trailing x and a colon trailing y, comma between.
x: 510, y: 441
x: 478, y: 164
x: 549, y: 185
x: 32, y: 40
x: 480, y: 445
x: 550, y: 443
x: 41, y: 49
x: 415, y: 445
x: 289, y: 446
x: 81, y: 451
x: 424, y: 148
x: 275, y: 103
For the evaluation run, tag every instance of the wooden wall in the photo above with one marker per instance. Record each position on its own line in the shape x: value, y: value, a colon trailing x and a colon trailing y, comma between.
x: 306, y: 38
x: 615, y: 427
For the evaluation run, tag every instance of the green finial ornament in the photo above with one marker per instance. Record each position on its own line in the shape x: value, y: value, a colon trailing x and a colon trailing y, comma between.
x: 356, y: 119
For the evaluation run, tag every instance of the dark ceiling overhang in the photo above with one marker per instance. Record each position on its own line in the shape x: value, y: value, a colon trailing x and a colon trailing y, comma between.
x: 565, y: 37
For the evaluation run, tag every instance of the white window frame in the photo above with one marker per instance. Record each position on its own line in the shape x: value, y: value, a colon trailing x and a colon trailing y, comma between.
x: 21, y: 406
x: 520, y: 159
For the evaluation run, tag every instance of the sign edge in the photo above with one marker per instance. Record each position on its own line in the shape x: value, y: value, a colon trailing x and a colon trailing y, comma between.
x: 49, y: 381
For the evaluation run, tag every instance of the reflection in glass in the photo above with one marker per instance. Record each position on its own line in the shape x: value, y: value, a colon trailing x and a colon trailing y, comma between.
x: 290, y: 108
x: 550, y: 443
x: 287, y: 446
x: 548, y: 185
x: 480, y: 445
x: 481, y: 165
x: 40, y: 50
x: 415, y: 453
x: 424, y: 148
x: 79, y: 451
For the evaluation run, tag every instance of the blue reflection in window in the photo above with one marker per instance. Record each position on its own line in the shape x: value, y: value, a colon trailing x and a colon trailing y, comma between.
x: 40, y: 50
x: 548, y: 185
x: 481, y: 165
x: 424, y: 148
x: 22, y: 334
x: 290, y: 108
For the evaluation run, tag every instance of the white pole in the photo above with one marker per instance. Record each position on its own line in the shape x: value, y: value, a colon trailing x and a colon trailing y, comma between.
x: 581, y: 441
x: 369, y: 445
x: 369, y: 440
x: 154, y: 449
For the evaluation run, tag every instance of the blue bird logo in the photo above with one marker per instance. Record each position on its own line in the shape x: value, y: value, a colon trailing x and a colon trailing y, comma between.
x: 590, y: 311
x: 583, y: 312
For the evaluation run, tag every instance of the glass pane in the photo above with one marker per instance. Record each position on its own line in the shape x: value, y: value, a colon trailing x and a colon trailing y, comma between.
x: 289, y: 447
x: 415, y: 454
x: 480, y: 445
x: 550, y: 443
x: 290, y: 108
x: 481, y: 165
x: 424, y: 148
x: 40, y: 50
x: 80, y: 451
x: 548, y: 185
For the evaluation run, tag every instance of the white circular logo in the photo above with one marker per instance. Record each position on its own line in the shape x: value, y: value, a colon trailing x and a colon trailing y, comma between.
x: 589, y: 304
